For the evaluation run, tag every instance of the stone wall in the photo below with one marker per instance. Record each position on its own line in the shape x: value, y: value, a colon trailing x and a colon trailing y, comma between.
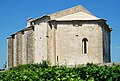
x: 30, y: 46
x: 24, y: 47
x: 14, y: 50
x: 40, y: 35
x: 52, y: 42
x: 19, y: 48
x: 106, y: 46
x: 60, y: 43
x: 68, y: 43
x: 10, y: 56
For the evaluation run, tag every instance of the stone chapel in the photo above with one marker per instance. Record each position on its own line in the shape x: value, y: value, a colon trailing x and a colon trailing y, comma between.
x: 72, y: 36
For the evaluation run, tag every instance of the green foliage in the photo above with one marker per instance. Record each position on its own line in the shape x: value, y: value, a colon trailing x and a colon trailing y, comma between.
x: 43, y: 72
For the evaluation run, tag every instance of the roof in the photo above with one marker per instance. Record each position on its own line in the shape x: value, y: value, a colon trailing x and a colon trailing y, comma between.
x: 74, y: 13
x: 78, y: 16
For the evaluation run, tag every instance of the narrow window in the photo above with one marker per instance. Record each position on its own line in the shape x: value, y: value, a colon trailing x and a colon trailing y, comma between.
x: 57, y: 58
x: 85, y: 46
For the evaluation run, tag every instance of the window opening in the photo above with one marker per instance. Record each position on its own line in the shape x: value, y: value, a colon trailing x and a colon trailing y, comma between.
x: 57, y: 58
x: 85, y: 46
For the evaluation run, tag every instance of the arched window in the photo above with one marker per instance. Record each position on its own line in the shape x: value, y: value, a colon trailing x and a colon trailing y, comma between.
x: 85, y: 46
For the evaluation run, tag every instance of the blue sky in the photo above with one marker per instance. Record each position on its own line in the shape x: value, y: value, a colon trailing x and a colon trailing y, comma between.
x: 14, y: 13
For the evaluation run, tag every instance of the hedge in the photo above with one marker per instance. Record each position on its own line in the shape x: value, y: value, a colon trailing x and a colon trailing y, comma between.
x: 43, y: 72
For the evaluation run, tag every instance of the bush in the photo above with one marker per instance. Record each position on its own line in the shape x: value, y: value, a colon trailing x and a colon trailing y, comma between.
x: 43, y: 72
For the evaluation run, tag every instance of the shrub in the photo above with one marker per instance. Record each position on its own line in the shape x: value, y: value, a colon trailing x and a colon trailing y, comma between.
x: 43, y: 72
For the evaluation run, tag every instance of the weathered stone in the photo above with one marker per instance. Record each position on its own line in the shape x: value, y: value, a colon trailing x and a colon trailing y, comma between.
x: 30, y: 46
x: 69, y: 37
x: 10, y: 52
x: 19, y: 48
